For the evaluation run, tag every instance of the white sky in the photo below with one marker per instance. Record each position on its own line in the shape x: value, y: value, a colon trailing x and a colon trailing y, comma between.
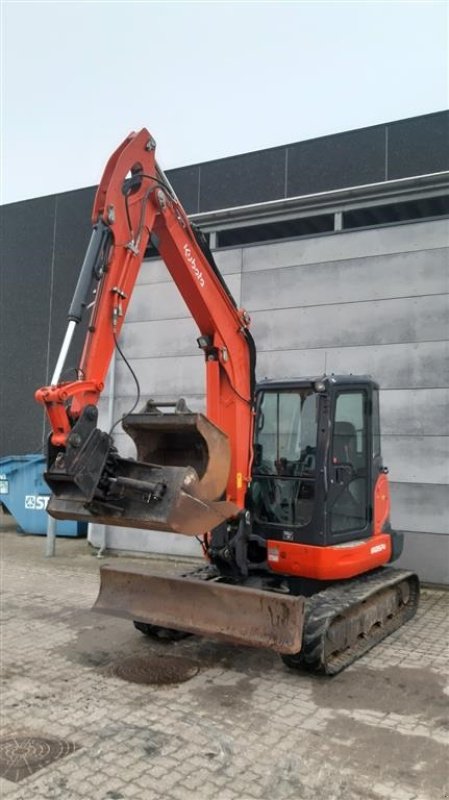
x: 209, y: 79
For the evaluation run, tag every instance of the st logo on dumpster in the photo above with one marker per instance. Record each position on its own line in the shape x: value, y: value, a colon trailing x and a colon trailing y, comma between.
x: 36, y: 502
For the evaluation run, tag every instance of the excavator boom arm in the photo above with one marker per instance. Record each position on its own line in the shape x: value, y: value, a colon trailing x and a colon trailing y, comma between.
x: 134, y: 204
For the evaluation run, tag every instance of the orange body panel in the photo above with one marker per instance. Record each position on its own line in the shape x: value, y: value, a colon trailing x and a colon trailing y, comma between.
x: 329, y: 563
x: 381, y: 503
x: 339, y: 561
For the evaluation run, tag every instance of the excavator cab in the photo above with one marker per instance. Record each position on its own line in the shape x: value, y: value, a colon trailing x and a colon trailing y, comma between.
x: 317, y: 457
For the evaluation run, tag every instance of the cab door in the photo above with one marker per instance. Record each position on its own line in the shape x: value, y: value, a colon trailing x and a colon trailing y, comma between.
x: 349, y: 512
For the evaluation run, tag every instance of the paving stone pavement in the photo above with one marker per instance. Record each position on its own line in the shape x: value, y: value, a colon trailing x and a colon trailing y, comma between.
x: 244, y: 727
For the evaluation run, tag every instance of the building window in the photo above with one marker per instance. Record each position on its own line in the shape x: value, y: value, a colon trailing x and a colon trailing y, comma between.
x: 271, y: 231
x: 422, y: 208
x: 370, y: 216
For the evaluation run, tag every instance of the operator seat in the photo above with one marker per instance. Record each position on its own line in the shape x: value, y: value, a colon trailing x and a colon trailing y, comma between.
x: 345, y: 443
x: 349, y: 509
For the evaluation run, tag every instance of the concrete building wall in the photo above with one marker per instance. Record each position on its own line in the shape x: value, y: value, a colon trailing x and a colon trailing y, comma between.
x: 364, y: 301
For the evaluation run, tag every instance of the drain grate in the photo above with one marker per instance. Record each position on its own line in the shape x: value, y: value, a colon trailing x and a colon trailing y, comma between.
x: 20, y: 756
x: 156, y: 670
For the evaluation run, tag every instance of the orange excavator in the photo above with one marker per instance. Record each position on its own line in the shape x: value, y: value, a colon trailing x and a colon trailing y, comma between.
x: 282, y: 481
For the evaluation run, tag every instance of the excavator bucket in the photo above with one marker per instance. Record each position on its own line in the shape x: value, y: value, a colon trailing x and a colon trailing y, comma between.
x: 176, y: 483
x: 182, y: 439
x: 238, y: 614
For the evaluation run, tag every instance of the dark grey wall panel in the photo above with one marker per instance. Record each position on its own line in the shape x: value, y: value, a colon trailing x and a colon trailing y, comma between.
x: 186, y: 183
x: 26, y: 249
x: 236, y: 181
x: 420, y: 506
x: 43, y: 244
x: 73, y: 228
x: 367, y: 155
x: 418, y: 146
x: 334, y: 162
x: 427, y: 554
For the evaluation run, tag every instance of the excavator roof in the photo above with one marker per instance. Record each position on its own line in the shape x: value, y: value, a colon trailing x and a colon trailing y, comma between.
x: 315, y: 381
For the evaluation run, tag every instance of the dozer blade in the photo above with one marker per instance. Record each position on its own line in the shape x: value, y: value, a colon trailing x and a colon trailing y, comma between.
x: 175, y: 485
x: 237, y: 614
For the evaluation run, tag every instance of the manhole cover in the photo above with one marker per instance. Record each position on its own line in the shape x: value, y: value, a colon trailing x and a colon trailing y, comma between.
x: 157, y: 670
x: 20, y: 756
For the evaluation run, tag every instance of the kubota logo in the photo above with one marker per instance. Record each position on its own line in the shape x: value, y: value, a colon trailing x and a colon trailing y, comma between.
x: 193, y: 266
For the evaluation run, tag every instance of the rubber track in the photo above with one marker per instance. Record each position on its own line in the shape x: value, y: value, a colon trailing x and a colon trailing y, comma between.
x: 323, y: 607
